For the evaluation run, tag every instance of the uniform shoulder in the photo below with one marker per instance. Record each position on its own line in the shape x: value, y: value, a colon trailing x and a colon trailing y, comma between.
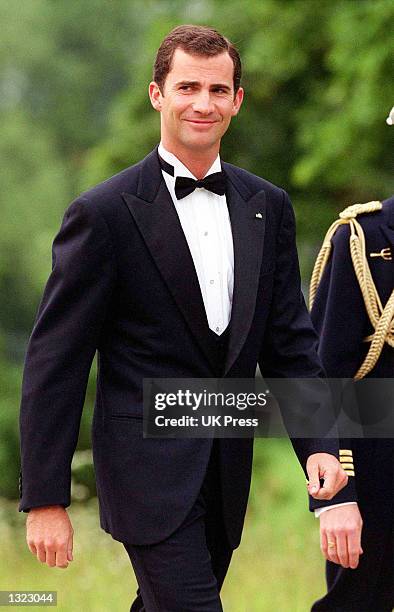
x: 369, y: 215
x: 369, y: 209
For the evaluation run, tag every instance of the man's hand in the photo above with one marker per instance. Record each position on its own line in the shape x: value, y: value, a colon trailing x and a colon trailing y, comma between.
x: 49, y: 535
x: 340, y: 535
x: 327, y: 467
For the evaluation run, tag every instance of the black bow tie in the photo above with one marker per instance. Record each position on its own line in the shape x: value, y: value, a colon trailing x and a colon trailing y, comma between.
x: 184, y: 185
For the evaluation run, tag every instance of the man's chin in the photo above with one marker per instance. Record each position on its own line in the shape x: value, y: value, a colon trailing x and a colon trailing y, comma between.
x: 201, y: 143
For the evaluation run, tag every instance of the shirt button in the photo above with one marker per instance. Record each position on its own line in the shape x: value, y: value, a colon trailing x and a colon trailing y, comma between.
x: 205, y: 233
x: 211, y: 282
x: 218, y: 329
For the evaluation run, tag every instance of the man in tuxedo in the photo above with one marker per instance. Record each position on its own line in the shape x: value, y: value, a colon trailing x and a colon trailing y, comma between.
x: 180, y: 266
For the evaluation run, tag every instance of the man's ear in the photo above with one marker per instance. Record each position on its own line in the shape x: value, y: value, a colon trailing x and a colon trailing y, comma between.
x: 155, y: 95
x: 239, y: 96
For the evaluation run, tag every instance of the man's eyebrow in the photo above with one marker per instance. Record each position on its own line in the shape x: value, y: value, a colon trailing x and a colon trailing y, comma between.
x: 196, y: 83
x: 221, y: 86
x: 183, y: 83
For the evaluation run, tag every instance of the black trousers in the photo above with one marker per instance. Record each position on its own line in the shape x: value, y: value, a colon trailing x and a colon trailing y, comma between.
x: 185, y: 572
x: 370, y: 587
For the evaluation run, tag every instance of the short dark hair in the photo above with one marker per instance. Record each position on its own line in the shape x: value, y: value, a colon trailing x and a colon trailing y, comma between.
x: 196, y: 40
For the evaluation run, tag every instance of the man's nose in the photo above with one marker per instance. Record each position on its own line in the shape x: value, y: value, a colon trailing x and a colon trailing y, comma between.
x: 203, y: 103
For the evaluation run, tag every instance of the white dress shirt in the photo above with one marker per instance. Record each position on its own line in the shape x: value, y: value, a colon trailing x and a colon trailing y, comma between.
x: 320, y: 511
x: 206, y: 224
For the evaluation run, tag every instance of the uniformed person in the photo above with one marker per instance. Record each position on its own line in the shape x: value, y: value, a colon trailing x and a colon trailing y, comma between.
x: 352, y: 300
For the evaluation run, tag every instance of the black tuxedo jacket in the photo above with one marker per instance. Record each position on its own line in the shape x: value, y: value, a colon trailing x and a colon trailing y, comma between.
x: 123, y: 283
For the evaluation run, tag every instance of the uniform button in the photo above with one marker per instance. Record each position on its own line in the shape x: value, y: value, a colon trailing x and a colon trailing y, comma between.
x: 205, y: 233
x: 211, y: 282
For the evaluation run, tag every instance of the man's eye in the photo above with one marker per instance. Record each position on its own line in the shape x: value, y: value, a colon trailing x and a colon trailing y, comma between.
x: 185, y: 87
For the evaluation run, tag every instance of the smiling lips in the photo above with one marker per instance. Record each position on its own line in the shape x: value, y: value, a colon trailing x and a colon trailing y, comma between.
x: 200, y: 122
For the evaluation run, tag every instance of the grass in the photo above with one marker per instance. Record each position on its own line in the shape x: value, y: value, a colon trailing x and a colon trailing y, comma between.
x: 278, y: 567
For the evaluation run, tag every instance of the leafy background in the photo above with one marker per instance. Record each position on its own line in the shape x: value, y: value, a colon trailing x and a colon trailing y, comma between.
x: 74, y: 110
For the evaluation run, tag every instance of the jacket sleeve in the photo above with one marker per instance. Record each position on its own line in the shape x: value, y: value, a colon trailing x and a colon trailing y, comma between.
x: 60, y: 352
x: 290, y: 345
x: 339, y: 316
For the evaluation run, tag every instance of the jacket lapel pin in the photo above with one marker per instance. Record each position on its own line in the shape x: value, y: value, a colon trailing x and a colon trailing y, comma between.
x: 259, y: 215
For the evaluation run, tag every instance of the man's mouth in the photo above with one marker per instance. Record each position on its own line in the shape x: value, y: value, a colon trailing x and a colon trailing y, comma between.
x: 202, y: 121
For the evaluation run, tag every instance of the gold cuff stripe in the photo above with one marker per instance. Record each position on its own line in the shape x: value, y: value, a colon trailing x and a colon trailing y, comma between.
x: 347, y: 466
x: 344, y: 451
x: 349, y: 472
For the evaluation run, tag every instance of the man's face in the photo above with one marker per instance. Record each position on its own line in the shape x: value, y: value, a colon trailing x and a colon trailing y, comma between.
x: 197, y: 101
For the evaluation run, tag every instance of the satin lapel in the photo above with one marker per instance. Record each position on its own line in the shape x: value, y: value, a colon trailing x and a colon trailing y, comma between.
x: 162, y: 232
x: 248, y: 238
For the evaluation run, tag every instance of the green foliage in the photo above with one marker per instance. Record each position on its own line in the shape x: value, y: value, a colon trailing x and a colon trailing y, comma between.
x: 343, y: 139
x: 35, y: 186
x: 9, y: 435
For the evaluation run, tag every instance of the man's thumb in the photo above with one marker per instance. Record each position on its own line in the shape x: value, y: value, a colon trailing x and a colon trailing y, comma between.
x: 314, y: 482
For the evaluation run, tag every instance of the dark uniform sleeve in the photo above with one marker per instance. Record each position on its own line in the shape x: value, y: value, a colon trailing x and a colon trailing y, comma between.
x: 60, y: 352
x: 339, y: 317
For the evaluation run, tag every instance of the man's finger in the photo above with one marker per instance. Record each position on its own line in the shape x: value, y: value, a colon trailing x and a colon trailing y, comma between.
x: 322, y: 493
x: 41, y: 553
x: 329, y: 484
x: 50, y: 558
x: 313, y: 474
x: 323, y: 543
x: 342, y: 549
x: 328, y: 489
x: 332, y: 548
x: 313, y: 489
x: 354, y: 547
x: 61, y: 558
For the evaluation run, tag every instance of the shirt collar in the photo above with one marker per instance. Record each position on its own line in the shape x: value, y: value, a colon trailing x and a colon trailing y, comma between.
x: 180, y: 169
